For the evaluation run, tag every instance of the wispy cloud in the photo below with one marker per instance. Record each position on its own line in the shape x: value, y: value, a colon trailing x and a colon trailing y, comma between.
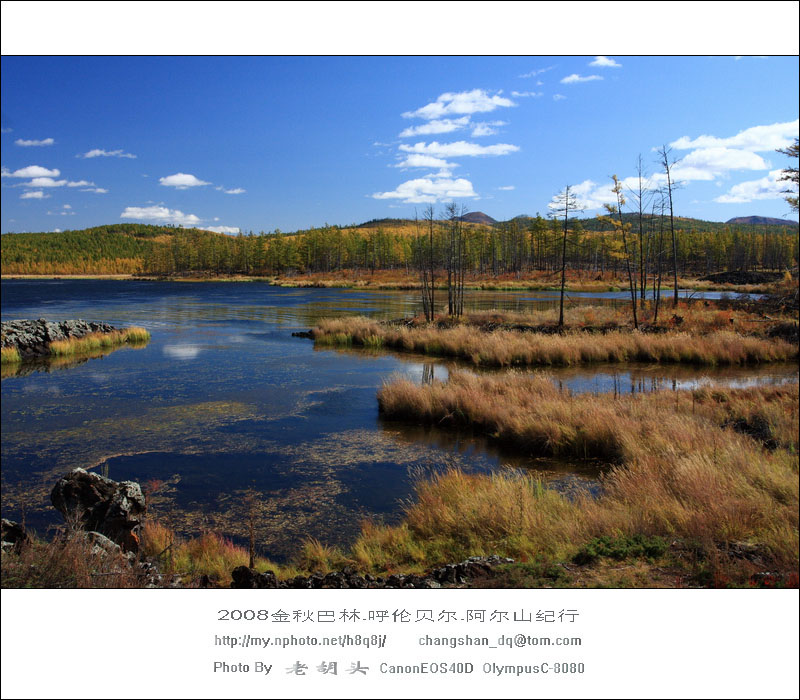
x: 507, y: 188
x: 235, y: 190
x: 459, y: 148
x: 100, y: 153
x: 34, y: 142
x: 468, y: 102
x: 32, y: 171
x: 436, y: 126
x: 96, y: 190
x: 558, y: 97
x: 605, y: 62
x: 160, y: 214
x: 429, y: 190
x: 536, y: 72
x: 487, y: 128
x: 514, y: 93
x: 418, y: 160
x: 575, y: 78
x: 182, y: 181
x: 757, y: 138
x: 50, y: 182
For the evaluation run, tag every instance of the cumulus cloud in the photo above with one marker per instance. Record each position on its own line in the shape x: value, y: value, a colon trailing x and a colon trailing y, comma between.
x: 36, y: 194
x: 32, y: 171
x: 182, y: 181
x: 101, y: 153
x: 605, y: 62
x: 459, y: 148
x: 429, y: 190
x: 468, y: 102
x: 756, y: 138
x: 767, y: 187
x: 575, y: 78
x: 222, y: 229
x: 436, y: 126
x: 709, y: 163
x: 34, y: 142
x: 160, y: 214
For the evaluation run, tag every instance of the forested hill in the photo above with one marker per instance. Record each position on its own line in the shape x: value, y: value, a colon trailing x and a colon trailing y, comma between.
x: 521, y: 245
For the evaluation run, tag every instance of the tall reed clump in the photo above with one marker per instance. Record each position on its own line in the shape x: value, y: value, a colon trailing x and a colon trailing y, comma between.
x: 508, y: 348
x: 93, y: 342
x: 714, y: 469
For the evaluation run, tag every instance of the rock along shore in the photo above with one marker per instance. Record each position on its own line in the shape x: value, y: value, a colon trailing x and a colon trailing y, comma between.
x: 32, y: 338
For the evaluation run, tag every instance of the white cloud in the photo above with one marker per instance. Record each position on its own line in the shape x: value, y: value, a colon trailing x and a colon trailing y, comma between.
x: 222, y: 229
x: 37, y: 194
x: 767, y: 187
x: 6, y: 130
x: 32, y: 171
x: 558, y: 97
x: 96, y: 190
x: 459, y: 148
x: 236, y: 190
x: 429, y: 190
x: 182, y: 181
x: 536, y: 72
x: 507, y: 187
x: 67, y: 206
x: 50, y: 182
x: 709, y: 163
x: 487, y: 128
x: 56, y: 230
x: 417, y: 160
x: 100, y: 153
x: 589, y: 195
x: 161, y: 215
x: 605, y: 62
x: 514, y: 93
x: 436, y: 126
x: 756, y: 138
x: 460, y: 103
x: 34, y: 142
x: 575, y: 78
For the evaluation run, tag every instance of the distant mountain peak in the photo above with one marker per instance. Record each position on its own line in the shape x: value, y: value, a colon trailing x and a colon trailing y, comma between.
x: 478, y: 217
x: 761, y: 221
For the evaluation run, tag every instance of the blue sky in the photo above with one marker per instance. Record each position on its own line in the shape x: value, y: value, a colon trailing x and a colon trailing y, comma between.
x: 261, y: 143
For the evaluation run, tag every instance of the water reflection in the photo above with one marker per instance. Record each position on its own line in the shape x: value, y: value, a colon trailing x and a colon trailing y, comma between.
x: 223, y: 400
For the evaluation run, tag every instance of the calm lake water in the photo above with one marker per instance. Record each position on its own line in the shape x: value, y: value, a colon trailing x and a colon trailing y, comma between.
x: 224, y: 399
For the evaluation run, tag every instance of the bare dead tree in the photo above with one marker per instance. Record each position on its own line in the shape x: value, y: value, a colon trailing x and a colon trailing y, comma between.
x: 456, y: 258
x: 667, y: 163
x: 561, y: 206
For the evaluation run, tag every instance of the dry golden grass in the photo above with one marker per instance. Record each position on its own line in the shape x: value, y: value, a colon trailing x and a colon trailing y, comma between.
x: 709, y: 467
x: 508, y: 348
x: 94, y: 342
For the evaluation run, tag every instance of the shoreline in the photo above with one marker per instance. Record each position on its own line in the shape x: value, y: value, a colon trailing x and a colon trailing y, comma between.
x: 411, y: 284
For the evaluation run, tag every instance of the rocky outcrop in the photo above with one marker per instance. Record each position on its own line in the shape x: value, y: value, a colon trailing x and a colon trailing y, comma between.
x: 14, y: 536
x: 111, y: 508
x: 32, y: 338
x: 462, y: 573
